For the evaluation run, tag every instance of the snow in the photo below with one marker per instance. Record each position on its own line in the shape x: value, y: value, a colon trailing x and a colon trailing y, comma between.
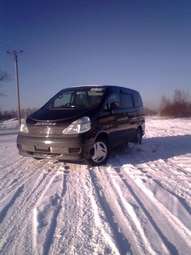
x: 139, y: 203
x: 9, y: 127
x: 9, y: 124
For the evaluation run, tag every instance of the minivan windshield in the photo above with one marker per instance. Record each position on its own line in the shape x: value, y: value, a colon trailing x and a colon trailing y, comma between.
x: 77, y: 98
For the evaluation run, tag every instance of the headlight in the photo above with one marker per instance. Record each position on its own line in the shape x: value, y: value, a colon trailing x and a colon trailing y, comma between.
x: 23, y: 127
x: 78, y: 126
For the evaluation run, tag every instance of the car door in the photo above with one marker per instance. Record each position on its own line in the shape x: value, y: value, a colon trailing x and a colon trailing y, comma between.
x: 109, y: 118
x: 128, y: 115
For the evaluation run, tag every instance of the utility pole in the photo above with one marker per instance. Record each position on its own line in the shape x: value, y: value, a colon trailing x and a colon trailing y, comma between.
x: 15, y: 54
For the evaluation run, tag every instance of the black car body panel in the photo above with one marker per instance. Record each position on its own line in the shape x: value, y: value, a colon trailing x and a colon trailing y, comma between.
x: 117, y: 116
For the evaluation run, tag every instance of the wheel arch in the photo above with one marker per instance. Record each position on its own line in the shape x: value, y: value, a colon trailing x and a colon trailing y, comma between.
x: 102, y: 135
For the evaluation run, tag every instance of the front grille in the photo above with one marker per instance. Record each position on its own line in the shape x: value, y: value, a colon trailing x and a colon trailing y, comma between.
x: 46, y: 131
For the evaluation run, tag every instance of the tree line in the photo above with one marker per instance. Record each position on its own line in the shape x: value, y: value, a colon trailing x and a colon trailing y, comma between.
x: 178, y: 106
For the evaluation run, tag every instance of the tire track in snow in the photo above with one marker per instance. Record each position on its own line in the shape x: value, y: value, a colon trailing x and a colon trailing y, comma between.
x: 101, y: 228
x: 4, y: 167
x: 136, y: 234
x: 170, y: 246
x: 31, y: 226
x: 185, y: 170
x: 121, y: 242
x: 12, y: 163
x: 168, y: 175
x: 183, y: 162
x: 53, y: 224
x: 152, y: 175
x: 10, y: 203
x: 68, y: 220
x: 171, y: 172
x: 4, y: 179
x: 98, y: 221
x: 19, y: 170
x: 181, y: 204
x: 173, y: 182
x: 23, y: 177
x: 53, y: 232
x: 162, y: 219
x: 15, y: 221
x: 17, y: 209
x: 81, y: 226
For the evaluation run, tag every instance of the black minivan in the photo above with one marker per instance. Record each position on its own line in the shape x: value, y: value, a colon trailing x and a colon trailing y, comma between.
x: 83, y: 123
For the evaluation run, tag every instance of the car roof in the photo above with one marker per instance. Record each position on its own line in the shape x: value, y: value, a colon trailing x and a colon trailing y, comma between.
x: 103, y: 86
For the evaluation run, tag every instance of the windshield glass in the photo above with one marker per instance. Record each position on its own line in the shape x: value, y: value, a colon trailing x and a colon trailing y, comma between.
x: 77, y: 98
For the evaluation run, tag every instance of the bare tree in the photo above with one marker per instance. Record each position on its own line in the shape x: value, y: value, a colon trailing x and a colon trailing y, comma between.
x: 178, y: 106
x: 3, y: 77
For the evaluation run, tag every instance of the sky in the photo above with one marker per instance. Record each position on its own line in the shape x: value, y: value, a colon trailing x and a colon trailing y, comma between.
x: 140, y: 44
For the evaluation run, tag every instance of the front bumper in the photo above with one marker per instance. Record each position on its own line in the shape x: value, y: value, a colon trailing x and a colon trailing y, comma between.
x: 74, y: 148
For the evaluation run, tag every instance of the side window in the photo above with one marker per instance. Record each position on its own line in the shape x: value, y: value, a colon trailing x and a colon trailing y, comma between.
x: 81, y: 99
x: 112, y: 98
x: 137, y: 100
x: 62, y: 100
x: 126, y: 100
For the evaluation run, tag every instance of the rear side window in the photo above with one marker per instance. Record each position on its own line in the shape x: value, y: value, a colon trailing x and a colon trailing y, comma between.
x: 114, y: 97
x: 137, y: 100
x: 126, y: 100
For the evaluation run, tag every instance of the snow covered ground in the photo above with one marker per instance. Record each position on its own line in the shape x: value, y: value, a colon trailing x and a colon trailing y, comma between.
x: 9, y: 127
x: 139, y: 203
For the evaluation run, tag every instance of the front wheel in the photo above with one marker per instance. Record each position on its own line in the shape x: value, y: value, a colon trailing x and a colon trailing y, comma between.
x: 99, y: 153
x: 37, y: 158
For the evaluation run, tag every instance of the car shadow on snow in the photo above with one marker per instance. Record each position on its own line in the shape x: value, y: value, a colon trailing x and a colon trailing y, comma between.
x: 152, y: 148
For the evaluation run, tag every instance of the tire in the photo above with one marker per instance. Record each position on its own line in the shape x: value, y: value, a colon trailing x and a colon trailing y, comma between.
x: 99, y: 153
x: 139, y: 136
x: 37, y: 158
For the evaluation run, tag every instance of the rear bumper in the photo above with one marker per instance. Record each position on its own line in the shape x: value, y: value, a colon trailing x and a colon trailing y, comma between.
x: 72, y: 149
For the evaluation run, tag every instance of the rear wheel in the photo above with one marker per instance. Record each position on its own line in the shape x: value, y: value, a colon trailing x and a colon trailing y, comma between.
x: 99, y: 153
x: 139, y: 136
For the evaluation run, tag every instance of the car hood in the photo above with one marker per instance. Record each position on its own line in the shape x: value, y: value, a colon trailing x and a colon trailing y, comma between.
x: 58, y: 116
